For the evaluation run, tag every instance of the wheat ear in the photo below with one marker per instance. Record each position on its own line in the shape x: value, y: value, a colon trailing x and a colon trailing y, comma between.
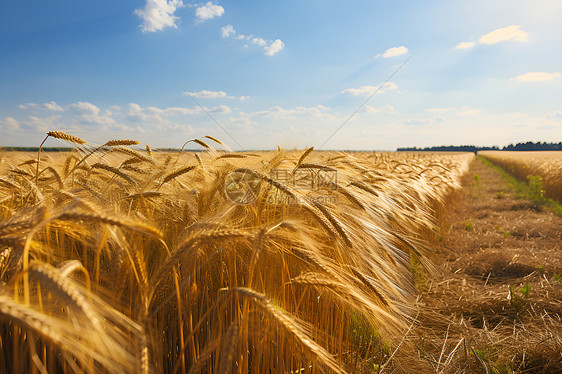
x: 57, y: 135
x: 100, y: 217
x: 184, y: 248
x: 131, y: 152
x: 303, y: 156
x: 177, y: 173
x: 115, y: 171
x: 52, y: 279
x: 116, y: 142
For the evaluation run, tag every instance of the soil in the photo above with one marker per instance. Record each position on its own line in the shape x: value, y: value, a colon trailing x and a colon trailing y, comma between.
x: 493, y: 302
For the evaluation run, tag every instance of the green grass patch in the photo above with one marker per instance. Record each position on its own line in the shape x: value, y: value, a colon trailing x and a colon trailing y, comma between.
x: 532, y: 191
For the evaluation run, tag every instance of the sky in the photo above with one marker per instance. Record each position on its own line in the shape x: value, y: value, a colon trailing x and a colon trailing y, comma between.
x: 351, y: 75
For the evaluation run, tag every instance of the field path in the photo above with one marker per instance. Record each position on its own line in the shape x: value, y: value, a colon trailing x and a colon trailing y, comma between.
x: 495, y: 300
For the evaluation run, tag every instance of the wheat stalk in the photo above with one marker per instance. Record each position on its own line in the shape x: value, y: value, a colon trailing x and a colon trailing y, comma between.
x: 131, y: 152
x: 228, y: 348
x: 188, y: 245
x: 177, y: 173
x: 100, y: 217
x: 292, y: 327
x: 115, y: 171
x: 118, y: 142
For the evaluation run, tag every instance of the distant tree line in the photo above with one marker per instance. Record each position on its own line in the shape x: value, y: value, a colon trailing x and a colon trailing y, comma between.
x: 529, y: 146
x: 35, y: 149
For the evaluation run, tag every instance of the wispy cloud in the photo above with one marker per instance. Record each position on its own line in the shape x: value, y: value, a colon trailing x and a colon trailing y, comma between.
x: 468, y: 112
x: 269, y: 47
x: 465, y: 45
x: 536, y: 76
x: 463, y: 110
x: 208, y: 94
x: 439, y: 110
x: 504, y: 34
x: 416, y: 121
x: 9, y: 123
x: 208, y: 11
x: 382, y: 109
x: 50, y: 106
x: 318, y: 111
x: 227, y: 31
x: 555, y: 115
x: 154, y: 114
x: 368, y: 90
x: 395, y: 51
x: 158, y: 14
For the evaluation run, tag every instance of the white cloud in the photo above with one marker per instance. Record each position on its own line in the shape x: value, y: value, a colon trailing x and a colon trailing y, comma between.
x: 395, y: 51
x: 222, y: 109
x: 274, y: 47
x: 368, y: 90
x: 465, y: 45
x: 416, y: 121
x: 463, y: 110
x: 468, y: 111
x: 259, y: 41
x: 85, y: 113
x: 554, y: 115
x: 439, y: 110
x: 503, y: 34
x: 208, y: 94
x: 269, y: 47
x: 50, y: 106
x: 9, y: 123
x: 42, y: 124
x: 83, y: 107
x: 158, y: 14
x: 227, y: 30
x: 383, y: 109
x: 318, y: 111
x: 208, y: 11
x: 158, y: 115
x: 536, y: 76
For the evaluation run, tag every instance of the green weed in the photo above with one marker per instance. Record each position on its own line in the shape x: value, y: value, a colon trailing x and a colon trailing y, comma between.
x: 525, y: 290
x: 532, y: 191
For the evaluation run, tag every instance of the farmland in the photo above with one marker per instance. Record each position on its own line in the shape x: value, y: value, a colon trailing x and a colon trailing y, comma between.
x: 546, y: 165
x: 217, y: 261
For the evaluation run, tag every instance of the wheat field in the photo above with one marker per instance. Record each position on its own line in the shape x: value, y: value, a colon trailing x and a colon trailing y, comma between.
x: 115, y: 259
x: 544, y: 164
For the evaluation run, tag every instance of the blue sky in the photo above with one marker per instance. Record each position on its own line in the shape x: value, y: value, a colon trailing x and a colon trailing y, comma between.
x: 285, y: 73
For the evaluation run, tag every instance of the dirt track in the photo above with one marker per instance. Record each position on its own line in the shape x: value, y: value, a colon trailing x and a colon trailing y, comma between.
x: 494, y: 303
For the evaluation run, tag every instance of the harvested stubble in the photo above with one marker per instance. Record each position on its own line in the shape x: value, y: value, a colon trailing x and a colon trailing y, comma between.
x: 544, y: 164
x: 174, y: 277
